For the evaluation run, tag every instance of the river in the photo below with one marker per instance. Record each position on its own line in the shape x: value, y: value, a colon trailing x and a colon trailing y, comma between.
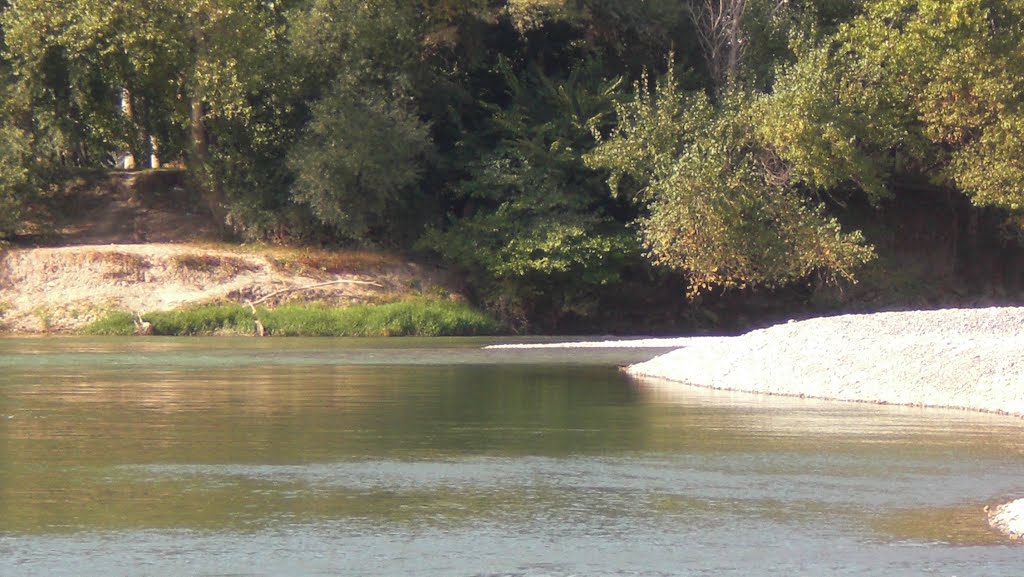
x: 432, y: 457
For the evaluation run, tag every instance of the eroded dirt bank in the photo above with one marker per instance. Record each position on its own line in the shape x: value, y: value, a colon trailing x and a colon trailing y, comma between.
x: 46, y: 290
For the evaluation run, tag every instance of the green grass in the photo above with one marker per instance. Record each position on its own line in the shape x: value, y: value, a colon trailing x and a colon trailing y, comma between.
x: 118, y: 324
x: 416, y: 317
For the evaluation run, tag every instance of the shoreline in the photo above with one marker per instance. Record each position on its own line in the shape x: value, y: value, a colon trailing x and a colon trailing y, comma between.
x: 615, y: 343
x: 967, y: 359
x: 970, y: 359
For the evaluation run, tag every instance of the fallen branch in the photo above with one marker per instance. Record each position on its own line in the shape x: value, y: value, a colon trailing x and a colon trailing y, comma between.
x: 252, y: 304
x: 257, y: 324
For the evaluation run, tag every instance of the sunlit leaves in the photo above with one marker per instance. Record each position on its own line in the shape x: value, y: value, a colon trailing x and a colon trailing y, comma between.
x: 951, y: 80
x: 718, y: 206
x: 360, y: 153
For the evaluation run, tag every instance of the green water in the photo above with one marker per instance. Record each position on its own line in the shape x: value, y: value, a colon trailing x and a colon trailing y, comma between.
x: 434, y: 457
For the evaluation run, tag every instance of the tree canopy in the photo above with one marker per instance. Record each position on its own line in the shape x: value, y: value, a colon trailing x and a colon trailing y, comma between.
x: 551, y: 150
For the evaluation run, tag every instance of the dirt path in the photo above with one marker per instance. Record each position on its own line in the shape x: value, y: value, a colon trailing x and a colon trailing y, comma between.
x: 134, y: 241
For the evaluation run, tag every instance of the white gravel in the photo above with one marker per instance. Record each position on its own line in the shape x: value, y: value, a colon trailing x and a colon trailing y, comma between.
x: 1009, y: 518
x: 960, y: 358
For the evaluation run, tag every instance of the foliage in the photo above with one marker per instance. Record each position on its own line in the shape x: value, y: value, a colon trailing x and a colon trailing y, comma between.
x: 14, y: 178
x: 360, y: 157
x: 96, y: 79
x: 417, y: 317
x: 958, y: 97
x: 715, y: 209
x: 489, y: 132
x: 535, y: 227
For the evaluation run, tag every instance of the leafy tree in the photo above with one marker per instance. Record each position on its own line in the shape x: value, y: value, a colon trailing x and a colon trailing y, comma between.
x: 359, y: 159
x: 910, y: 88
x: 906, y: 88
x: 534, y: 228
x: 715, y: 210
x: 83, y: 64
x: 14, y: 178
x: 960, y: 89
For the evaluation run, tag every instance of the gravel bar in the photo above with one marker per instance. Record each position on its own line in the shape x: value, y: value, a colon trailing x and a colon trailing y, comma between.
x: 958, y: 358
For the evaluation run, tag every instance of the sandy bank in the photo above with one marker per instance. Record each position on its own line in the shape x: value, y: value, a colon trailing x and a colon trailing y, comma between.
x: 959, y: 358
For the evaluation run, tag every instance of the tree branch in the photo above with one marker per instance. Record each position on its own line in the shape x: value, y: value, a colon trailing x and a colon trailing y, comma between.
x: 265, y: 298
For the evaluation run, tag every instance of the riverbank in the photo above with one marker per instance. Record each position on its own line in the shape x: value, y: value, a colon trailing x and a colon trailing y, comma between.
x: 959, y: 358
x: 969, y: 359
x: 66, y: 289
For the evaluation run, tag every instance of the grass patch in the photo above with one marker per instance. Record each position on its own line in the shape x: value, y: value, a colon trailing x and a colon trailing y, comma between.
x: 116, y: 324
x: 417, y: 317
x: 203, y: 320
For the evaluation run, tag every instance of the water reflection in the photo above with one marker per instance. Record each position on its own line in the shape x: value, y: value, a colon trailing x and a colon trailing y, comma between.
x: 438, y: 466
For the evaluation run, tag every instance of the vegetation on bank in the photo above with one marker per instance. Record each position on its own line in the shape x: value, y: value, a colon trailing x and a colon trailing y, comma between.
x: 561, y: 154
x: 416, y: 317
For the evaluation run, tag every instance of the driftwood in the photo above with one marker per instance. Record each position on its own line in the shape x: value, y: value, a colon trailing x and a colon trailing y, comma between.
x: 142, y: 328
x: 258, y: 326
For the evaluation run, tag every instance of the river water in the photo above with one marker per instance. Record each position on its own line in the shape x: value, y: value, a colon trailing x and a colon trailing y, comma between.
x: 409, y: 457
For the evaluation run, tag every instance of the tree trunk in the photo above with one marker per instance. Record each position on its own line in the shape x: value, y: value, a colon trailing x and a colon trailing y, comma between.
x: 210, y: 188
x: 735, y: 37
x: 154, y: 152
x: 197, y: 130
x: 126, y: 160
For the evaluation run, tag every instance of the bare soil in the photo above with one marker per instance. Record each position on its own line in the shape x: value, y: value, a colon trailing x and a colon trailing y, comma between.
x: 130, y: 244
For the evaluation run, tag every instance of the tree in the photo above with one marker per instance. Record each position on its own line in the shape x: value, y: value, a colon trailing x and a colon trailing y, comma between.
x: 82, y: 64
x: 714, y: 209
x: 14, y: 178
x: 359, y: 160
x: 909, y: 89
x: 533, y: 227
